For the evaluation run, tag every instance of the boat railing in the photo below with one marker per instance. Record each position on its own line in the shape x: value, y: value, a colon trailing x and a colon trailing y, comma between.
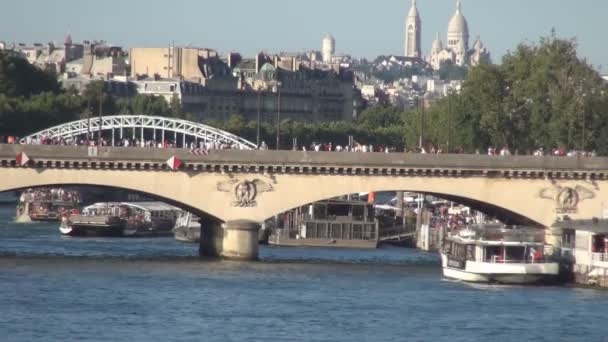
x: 183, y: 220
x: 599, y: 257
x: 331, y: 230
x: 505, y: 234
x: 497, y: 260
x: 51, y: 197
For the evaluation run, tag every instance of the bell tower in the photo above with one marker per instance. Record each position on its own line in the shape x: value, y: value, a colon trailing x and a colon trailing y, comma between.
x: 413, y: 33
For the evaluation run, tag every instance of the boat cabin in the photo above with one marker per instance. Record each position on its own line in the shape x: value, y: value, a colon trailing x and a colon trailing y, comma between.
x: 342, y: 222
x: 590, y: 249
x: 496, y: 245
x: 47, y: 204
x: 590, y: 241
x: 147, y: 211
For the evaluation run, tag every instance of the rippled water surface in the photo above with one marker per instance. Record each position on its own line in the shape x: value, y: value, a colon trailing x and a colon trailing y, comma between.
x: 62, y: 289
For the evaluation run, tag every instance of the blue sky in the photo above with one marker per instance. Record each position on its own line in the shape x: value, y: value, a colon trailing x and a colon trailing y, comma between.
x: 361, y: 28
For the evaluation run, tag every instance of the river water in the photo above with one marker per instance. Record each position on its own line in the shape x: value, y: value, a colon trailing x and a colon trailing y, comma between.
x: 54, y: 288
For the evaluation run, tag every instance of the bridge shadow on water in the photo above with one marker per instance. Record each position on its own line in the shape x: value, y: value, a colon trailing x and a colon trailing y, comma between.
x: 44, y: 241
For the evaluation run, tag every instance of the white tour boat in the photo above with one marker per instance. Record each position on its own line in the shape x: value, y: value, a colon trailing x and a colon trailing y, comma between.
x: 496, y: 254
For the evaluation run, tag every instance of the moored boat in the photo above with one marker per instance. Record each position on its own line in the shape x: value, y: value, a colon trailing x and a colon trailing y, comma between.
x: 141, y: 219
x: 497, y: 254
x: 332, y: 223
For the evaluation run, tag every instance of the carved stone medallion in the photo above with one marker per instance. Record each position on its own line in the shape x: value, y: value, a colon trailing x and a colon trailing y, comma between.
x: 244, y: 193
x: 567, y: 199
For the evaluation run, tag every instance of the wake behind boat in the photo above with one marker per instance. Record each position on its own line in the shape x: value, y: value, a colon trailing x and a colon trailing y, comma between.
x: 495, y: 254
x: 139, y: 219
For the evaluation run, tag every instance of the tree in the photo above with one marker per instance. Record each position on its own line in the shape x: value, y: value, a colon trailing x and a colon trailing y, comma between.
x: 448, y: 71
x: 380, y: 116
x: 18, y: 78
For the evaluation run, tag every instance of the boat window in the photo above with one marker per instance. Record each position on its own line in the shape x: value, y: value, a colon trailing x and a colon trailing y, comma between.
x: 516, y: 253
x: 319, y: 212
x: 471, y: 252
x: 458, y: 251
x: 358, y: 212
x: 494, y: 254
x: 338, y: 210
x: 447, y: 247
x: 599, y: 244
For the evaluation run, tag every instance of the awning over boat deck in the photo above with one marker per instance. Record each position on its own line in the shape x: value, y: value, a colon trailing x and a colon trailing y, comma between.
x: 147, y: 206
x: 151, y: 206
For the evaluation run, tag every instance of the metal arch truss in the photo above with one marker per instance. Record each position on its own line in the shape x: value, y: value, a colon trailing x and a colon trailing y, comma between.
x: 157, y: 123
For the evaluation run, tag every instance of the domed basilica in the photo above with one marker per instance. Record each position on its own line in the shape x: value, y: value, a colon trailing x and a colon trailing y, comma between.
x: 457, y: 50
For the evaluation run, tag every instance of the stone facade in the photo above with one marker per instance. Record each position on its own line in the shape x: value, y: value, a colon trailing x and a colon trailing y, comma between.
x: 171, y: 62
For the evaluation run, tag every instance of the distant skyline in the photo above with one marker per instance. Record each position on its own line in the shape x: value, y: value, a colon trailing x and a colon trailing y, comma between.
x: 361, y: 31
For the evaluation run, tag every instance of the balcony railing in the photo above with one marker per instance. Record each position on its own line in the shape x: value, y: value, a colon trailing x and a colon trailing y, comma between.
x: 600, y: 257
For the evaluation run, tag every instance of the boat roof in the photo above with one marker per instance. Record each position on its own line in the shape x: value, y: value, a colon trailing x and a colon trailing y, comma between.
x: 493, y: 234
x: 469, y: 241
x: 148, y: 206
x: 343, y: 202
x: 593, y: 226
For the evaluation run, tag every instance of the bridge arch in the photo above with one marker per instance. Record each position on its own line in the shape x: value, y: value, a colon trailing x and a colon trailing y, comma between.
x: 160, y: 127
x: 517, y: 197
x: 153, y: 196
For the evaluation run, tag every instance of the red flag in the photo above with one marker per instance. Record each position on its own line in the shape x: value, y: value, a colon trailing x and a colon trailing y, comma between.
x: 174, y: 163
x: 22, y: 159
x: 371, y: 198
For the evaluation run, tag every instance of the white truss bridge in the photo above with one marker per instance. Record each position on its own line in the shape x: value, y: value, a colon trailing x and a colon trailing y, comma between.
x: 140, y: 126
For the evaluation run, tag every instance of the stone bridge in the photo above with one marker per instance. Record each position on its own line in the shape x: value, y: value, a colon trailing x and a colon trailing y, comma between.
x: 241, y: 188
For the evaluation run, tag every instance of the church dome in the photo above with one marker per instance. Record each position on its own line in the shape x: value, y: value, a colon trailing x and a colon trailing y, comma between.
x: 478, y: 44
x: 328, y: 37
x: 458, y: 24
x: 437, y: 45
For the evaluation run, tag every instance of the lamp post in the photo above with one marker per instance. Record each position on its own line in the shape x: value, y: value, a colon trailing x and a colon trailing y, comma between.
x: 422, y: 125
x: 258, y: 118
x: 449, y: 121
x: 279, y: 116
x: 583, y: 138
x: 101, y: 96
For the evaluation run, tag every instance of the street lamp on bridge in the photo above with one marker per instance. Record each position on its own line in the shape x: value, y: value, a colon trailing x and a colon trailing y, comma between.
x: 258, y: 117
x: 278, y: 89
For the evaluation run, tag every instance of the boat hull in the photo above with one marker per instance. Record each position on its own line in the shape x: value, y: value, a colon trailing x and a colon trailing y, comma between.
x: 44, y: 219
x: 92, y: 231
x: 187, y: 234
x: 476, y: 272
x: 360, y: 244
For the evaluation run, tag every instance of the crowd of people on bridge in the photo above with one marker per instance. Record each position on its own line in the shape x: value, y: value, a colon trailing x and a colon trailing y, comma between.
x: 202, y: 145
x: 356, y: 147
x: 314, y: 147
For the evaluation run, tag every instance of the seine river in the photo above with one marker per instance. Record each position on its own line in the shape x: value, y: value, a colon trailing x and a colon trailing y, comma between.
x: 64, y: 289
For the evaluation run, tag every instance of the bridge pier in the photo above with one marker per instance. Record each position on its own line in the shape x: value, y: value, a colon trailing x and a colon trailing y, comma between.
x: 234, y: 240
